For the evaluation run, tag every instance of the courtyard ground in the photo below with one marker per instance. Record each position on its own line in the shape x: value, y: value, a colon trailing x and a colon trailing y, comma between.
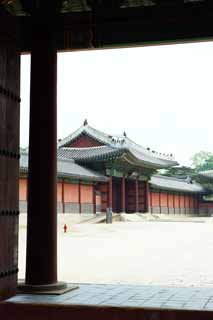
x: 147, y: 253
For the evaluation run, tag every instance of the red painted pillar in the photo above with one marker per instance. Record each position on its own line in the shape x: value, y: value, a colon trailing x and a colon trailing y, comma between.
x: 179, y: 202
x: 123, y: 194
x: 41, y: 260
x: 160, y: 200
x: 184, y: 197
x: 147, y: 198
x: 136, y: 196
x: 94, y: 200
x: 167, y: 201
x: 79, y: 195
x: 151, y: 205
x: 110, y: 192
x: 174, y: 202
x: 63, y: 204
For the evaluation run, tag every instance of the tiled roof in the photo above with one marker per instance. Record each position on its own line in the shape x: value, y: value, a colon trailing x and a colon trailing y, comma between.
x: 90, y: 154
x: 67, y: 168
x: 113, y: 143
x: 103, y: 153
x: 206, y: 174
x: 175, y: 184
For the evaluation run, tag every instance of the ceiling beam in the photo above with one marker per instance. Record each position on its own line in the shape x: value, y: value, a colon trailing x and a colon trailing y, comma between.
x: 128, y: 27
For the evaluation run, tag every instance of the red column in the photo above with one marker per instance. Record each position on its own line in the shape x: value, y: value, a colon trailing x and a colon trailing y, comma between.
x: 79, y: 195
x: 94, y: 199
x: 167, y: 201
x: 123, y: 194
x: 160, y: 200
x: 148, y: 198
x: 150, y: 191
x: 110, y: 192
x: 184, y: 203
x: 63, y: 204
x: 174, y: 202
x: 41, y: 262
x: 179, y: 202
x: 136, y: 196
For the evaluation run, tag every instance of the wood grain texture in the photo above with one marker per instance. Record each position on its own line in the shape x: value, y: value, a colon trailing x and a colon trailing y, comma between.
x: 9, y: 163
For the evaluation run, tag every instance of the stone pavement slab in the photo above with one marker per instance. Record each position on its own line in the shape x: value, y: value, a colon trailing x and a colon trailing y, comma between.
x: 188, y: 298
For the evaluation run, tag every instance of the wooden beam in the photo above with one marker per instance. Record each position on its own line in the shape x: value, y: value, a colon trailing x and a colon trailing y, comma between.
x: 128, y: 27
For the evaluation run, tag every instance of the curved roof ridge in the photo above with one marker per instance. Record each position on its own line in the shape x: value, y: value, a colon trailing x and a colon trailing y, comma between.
x: 170, y: 178
x: 174, y: 184
x: 89, y: 148
x: 149, y: 152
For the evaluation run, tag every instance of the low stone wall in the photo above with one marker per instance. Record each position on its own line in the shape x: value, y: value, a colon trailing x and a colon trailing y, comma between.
x: 205, y: 212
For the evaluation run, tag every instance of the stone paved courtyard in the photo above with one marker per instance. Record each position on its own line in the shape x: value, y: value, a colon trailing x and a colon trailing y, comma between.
x: 129, y: 295
x: 147, y: 253
x: 166, y: 265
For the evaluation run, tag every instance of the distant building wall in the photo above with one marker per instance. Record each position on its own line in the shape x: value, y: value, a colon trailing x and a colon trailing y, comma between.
x: 83, y: 198
x: 173, y: 203
x: 206, y: 208
x: 71, y: 197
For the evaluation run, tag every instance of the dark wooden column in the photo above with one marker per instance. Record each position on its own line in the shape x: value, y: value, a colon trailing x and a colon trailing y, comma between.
x: 179, y: 195
x: 79, y: 195
x: 151, y: 205
x: 174, y: 202
x: 123, y: 194
x: 41, y: 262
x: 167, y: 201
x: 110, y: 192
x: 63, y: 203
x: 9, y: 155
x: 160, y: 200
x: 184, y: 197
x: 94, y: 199
x: 41, y: 267
x: 136, y: 196
x: 147, y: 196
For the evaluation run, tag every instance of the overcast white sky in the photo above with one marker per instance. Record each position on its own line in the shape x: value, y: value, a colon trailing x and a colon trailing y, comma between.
x: 161, y: 96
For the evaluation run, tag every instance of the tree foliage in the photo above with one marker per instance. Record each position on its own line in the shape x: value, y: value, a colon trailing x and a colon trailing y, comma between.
x: 202, y: 161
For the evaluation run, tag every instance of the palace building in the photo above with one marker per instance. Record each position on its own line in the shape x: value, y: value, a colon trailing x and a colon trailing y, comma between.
x: 97, y: 171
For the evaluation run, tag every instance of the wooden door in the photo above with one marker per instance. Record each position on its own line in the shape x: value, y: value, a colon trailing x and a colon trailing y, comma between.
x: 9, y: 157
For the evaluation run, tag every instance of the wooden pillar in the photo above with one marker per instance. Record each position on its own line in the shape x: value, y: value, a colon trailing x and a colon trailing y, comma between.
x: 123, y: 194
x: 79, y: 196
x: 63, y: 203
x: 179, y: 202
x: 41, y: 266
x: 110, y: 192
x: 41, y: 260
x: 167, y: 201
x: 9, y: 155
x: 94, y: 199
x: 184, y: 197
x: 173, y: 202
x: 151, y: 205
x: 147, y: 196
x: 160, y: 200
x: 136, y: 196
